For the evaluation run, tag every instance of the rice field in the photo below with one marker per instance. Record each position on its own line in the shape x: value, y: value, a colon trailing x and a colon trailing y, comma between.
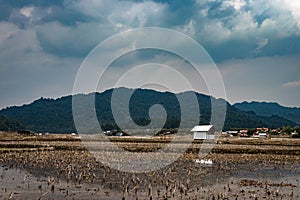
x: 61, y: 167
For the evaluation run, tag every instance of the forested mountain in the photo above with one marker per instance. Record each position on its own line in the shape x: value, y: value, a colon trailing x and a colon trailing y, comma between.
x: 9, y: 125
x: 269, y: 109
x: 55, y: 115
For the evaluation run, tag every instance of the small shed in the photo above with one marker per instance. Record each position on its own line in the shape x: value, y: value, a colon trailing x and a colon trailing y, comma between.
x: 204, y: 132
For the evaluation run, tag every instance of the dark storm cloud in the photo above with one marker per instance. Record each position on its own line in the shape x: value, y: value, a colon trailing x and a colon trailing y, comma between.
x: 218, y: 25
x: 47, y: 40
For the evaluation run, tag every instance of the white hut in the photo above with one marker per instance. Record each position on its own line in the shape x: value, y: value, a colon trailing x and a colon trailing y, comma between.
x: 204, y: 132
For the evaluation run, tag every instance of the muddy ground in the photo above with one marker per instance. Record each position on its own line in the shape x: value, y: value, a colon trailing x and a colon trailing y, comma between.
x: 61, y: 167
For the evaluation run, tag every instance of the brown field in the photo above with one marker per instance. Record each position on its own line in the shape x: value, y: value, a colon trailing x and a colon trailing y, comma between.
x: 60, y: 167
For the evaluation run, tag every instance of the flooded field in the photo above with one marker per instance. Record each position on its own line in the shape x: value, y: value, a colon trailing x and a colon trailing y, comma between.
x: 61, y: 168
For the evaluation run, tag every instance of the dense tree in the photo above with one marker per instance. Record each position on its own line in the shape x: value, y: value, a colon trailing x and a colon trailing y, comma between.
x: 288, y: 130
x: 9, y: 125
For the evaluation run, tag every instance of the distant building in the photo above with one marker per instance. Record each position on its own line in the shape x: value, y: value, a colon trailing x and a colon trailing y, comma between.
x: 119, y: 134
x: 244, y: 131
x: 262, y: 135
x: 274, y: 131
x: 233, y: 133
x: 260, y: 130
x: 116, y: 133
x: 76, y: 135
x: 204, y: 132
x: 295, y: 135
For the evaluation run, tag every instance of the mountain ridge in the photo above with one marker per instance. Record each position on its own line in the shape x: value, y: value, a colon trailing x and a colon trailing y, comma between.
x: 56, y: 116
x: 271, y: 108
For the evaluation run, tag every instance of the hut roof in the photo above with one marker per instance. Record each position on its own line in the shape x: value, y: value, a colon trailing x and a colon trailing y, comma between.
x: 202, y: 128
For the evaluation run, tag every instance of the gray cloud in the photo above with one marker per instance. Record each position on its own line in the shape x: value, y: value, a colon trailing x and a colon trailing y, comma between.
x: 292, y: 84
x: 235, y: 23
x: 66, y: 41
x: 42, y: 43
x: 262, y: 79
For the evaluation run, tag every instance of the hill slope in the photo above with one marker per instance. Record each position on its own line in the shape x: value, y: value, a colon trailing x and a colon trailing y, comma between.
x: 55, y: 115
x: 9, y: 125
x: 269, y: 109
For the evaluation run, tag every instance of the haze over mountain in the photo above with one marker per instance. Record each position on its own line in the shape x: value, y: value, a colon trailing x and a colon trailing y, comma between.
x: 269, y: 109
x: 55, y: 115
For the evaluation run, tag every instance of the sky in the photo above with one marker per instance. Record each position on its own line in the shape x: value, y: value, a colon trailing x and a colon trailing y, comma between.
x: 254, y: 43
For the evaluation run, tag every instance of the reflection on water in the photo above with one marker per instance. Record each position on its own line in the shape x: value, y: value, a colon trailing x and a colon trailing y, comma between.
x: 21, y: 184
x: 180, y: 180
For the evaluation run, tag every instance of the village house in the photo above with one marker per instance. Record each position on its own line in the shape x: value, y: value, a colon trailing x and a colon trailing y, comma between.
x: 233, y: 133
x: 204, y: 132
x: 262, y: 130
x: 262, y: 135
